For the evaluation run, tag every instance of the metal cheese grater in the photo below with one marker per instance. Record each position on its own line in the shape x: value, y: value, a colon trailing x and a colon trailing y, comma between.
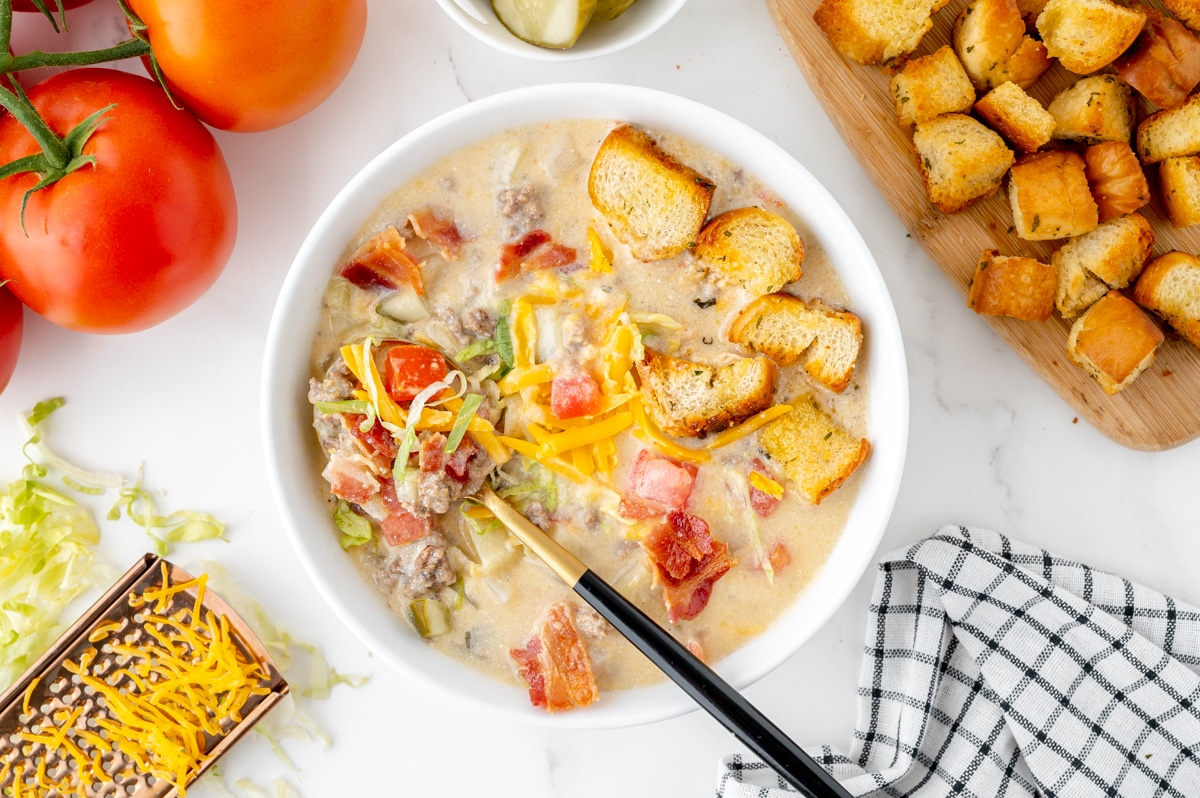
x: 58, y: 689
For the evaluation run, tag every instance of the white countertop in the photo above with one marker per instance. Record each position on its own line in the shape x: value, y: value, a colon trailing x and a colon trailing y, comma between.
x: 990, y: 444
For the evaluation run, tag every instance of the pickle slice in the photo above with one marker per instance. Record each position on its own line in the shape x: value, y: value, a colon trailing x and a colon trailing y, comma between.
x: 546, y: 23
x: 608, y: 10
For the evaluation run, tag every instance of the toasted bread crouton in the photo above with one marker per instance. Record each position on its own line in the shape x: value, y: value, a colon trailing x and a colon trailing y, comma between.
x: 690, y: 400
x: 1115, y: 251
x: 1085, y: 35
x: 788, y: 329
x: 1027, y: 64
x: 654, y: 204
x: 930, y: 86
x: 1188, y: 12
x: 753, y: 248
x: 1179, y: 179
x: 1050, y: 196
x: 1012, y: 113
x: 1170, y: 286
x: 1092, y: 109
x: 814, y: 452
x: 1118, y: 183
x: 961, y: 161
x: 876, y: 31
x: 1172, y: 133
x: 986, y: 34
x: 1078, y: 288
x: 1012, y: 286
x: 1114, y: 341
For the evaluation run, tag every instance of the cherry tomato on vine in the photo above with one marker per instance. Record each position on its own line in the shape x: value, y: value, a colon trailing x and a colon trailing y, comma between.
x: 250, y: 65
x: 131, y: 240
x: 12, y: 325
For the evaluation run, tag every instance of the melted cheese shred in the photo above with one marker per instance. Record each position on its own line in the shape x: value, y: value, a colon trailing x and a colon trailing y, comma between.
x: 179, y: 688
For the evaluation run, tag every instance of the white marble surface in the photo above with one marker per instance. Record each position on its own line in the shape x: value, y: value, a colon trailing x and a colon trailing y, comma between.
x: 990, y: 444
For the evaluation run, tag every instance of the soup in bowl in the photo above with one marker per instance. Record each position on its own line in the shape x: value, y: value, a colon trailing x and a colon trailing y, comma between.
x: 608, y: 314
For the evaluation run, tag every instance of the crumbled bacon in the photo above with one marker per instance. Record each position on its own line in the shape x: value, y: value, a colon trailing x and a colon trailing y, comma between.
x: 401, y: 526
x: 432, y: 454
x: 637, y: 511
x: 693, y: 645
x: 440, y: 231
x: 458, y: 465
x: 377, y: 443
x: 382, y: 263
x: 779, y: 557
x: 763, y: 503
x: 555, y: 663
x: 661, y: 480
x: 534, y: 250
x: 688, y: 562
x: 350, y: 478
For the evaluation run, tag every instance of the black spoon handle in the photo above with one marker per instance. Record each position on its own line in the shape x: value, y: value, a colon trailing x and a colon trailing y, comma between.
x: 710, y: 691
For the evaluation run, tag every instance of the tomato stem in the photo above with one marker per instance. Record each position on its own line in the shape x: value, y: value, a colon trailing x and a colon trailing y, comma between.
x: 5, y: 24
x: 131, y: 48
x: 24, y: 112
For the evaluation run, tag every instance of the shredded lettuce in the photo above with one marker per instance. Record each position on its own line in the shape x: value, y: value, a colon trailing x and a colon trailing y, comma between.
x: 542, y: 487
x: 737, y: 501
x: 660, y: 320
x: 356, y: 530
x: 359, y: 406
x: 462, y: 421
x: 484, y: 346
x: 181, y: 526
x: 503, y: 340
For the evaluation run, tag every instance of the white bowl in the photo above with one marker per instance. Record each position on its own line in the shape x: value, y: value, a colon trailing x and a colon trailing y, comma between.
x: 295, y: 475
x: 600, y: 38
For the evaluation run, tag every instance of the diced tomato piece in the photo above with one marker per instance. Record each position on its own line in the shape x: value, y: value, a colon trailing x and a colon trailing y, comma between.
x: 555, y: 663
x: 383, y: 263
x: 779, y: 557
x: 688, y: 561
x: 410, y: 369
x: 401, y: 526
x: 350, y: 479
x: 436, y: 228
x: 662, y: 480
x: 763, y: 503
x: 574, y: 396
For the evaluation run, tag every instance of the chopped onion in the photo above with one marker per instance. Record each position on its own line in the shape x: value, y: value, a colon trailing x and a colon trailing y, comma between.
x: 547, y: 333
x: 404, y: 306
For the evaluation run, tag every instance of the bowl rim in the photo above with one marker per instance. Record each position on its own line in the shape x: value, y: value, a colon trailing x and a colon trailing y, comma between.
x: 284, y: 407
x: 637, y: 26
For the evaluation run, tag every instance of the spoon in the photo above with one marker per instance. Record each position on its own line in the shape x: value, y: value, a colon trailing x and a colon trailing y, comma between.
x: 710, y: 691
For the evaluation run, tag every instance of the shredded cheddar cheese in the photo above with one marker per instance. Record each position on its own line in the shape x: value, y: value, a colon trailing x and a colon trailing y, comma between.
x: 600, y: 261
x: 180, y: 688
x: 766, y: 485
x: 749, y: 425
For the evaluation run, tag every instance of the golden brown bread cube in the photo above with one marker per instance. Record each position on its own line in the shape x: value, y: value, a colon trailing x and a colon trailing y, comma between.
x: 960, y: 159
x: 930, y: 86
x: 690, y: 400
x: 1114, y: 341
x: 1170, y: 286
x: 1188, y: 12
x: 1172, y: 133
x: 1110, y: 256
x: 1179, y: 182
x: 986, y: 35
x: 1012, y: 113
x: 814, y: 452
x: 1116, y: 177
x: 1092, y: 109
x: 654, y: 204
x: 751, y: 247
x: 1050, y: 197
x: 1086, y: 35
x: 876, y: 31
x: 1022, y: 288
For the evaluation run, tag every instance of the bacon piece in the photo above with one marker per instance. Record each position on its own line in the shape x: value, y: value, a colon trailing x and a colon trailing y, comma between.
x: 377, y: 443
x: 779, y: 557
x: 440, y: 231
x: 693, y: 645
x: 763, y: 503
x: 432, y: 454
x: 382, y: 263
x: 555, y: 663
x: 458, y: 465
x: 350, y: 478
x: 662, y: 480
x: 637, y: 511
x: 401, y: 526
x: 534, y: 250
x: 688, y: 563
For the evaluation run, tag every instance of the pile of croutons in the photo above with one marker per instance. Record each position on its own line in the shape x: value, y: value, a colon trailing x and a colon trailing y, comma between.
x: 1076, y: 177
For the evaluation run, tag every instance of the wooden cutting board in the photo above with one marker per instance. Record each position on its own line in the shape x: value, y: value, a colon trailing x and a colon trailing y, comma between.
x: 1161, y: 409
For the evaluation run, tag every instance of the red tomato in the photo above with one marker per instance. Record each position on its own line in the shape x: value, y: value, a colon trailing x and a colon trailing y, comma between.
x: 411, y: 369
x: 251, y: 65
x: 134, y: 239
x: 27, y: 5
x: 574, y: 396
x: 12, y: 324
x: 662, y: 480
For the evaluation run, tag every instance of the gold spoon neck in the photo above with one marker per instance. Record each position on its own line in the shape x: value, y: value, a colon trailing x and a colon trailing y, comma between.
x: 569, y: 567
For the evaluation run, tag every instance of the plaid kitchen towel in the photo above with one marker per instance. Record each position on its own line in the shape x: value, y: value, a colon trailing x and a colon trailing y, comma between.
x: 993, y: 668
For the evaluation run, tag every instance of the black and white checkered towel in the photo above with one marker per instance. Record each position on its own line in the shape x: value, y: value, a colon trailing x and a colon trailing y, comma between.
x: 993, y: 668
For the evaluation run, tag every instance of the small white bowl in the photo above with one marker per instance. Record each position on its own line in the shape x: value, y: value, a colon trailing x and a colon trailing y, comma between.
x: 287, y: 417
x: 601, y: 37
